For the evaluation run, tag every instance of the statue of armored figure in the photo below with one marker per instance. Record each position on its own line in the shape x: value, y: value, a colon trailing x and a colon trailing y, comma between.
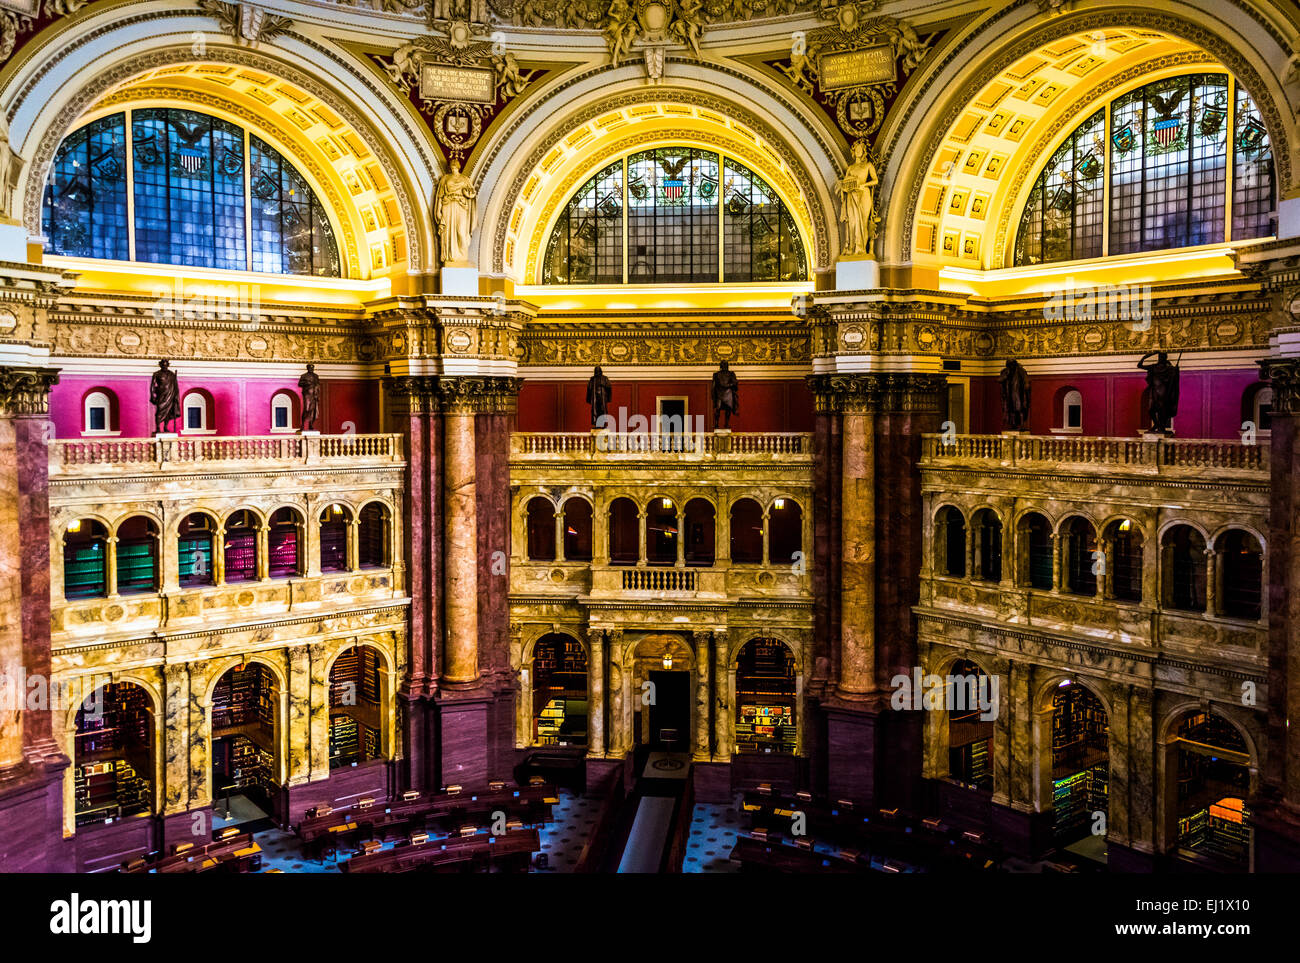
x: 726, y: 396
x: 309, y: 384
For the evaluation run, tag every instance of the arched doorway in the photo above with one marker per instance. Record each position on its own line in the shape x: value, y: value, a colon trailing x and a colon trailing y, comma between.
x: 1080, y: 762
x: 662, y: 698
x: 245, y: 740
x: 970, y: 735
x: 113, y: 754
x: 356, y: 707
x: 1211, y: 781
x: 560, y: 708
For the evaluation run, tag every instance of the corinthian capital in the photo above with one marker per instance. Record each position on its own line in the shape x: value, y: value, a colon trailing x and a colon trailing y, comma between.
x: 26, y: 391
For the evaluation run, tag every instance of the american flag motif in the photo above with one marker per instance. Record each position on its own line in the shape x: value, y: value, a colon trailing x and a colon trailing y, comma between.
x: 191, y: 159
x: 1167, y: 131
x: 674, y: 190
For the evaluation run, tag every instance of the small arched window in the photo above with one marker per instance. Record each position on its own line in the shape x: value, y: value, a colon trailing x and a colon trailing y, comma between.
x: 1260, y: 407
x: 282, y: 411
x: 197, y: 414
x: 1072, y: 410
x: 98, y: 413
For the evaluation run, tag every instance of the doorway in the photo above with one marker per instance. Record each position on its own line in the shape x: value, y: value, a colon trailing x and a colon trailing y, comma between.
x: 670, y: 713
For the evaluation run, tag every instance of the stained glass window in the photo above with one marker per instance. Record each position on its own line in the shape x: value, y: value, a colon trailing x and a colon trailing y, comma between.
x: 691, y: 216
x: 1165, y: 151
x: 197, y: 199
x: 85, y: 201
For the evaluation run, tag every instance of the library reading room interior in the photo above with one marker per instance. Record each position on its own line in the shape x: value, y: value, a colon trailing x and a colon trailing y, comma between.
x: 669, y: 436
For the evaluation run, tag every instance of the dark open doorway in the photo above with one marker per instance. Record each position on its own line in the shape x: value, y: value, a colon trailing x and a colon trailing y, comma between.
x: 670, y: 713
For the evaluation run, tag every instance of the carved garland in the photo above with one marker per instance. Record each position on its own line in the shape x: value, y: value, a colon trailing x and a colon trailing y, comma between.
x: 1055, y: 30
x: 817, y: 216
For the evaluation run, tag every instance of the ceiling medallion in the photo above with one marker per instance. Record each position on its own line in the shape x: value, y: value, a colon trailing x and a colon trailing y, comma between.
x: 459, y: 76
x: 856, y: 64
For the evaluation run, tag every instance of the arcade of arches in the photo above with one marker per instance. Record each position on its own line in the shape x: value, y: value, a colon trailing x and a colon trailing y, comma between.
x: 446, y: 479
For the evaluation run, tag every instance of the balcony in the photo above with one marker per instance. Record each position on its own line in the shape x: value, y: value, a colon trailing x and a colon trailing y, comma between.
x: 117, y: 456
x: 721, y: 447
x: 1154, y: 542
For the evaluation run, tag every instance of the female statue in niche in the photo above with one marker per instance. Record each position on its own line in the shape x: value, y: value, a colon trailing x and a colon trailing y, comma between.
x: 858, y: 202
x: 453, y: 212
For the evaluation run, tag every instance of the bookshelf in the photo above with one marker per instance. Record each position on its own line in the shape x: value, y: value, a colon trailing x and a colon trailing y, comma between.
x: 560, y: 692
x: 1075, y: 798
x: 241, y: 555
x: 765, y: 698
x: 282, y: 550
x: 354, y: 707
x: 195, y: 559
x: 137, y: 566
x: 84, y: 569
x: 244, y: 697
x: 113, y: 756
x: 333, y: 546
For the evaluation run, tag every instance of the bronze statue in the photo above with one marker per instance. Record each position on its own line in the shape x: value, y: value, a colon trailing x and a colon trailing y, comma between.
x: 599, y: 391
x: 1014, y: 381
x: 1162, y: 384
x: 310, y: 385
x: 165, y: 396
x: 726, y: 395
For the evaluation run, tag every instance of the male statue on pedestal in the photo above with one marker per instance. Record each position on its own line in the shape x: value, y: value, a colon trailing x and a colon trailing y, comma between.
x: 1162, y: 388
x: 726, y: 396
x: 165, y: 396
x: 309, y: 384
x: 1014, y: 382
x: 599, y: 392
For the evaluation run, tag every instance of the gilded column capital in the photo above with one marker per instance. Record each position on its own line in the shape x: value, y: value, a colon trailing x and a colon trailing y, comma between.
x: 845, y: 393
x: 913, y: 391
x: 1283, y: 375
x: 26, y: 391
x: 420, y: 391
x: 478, y: 394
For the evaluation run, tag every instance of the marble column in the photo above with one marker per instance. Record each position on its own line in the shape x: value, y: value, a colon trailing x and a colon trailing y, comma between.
x: 110, y: 568
x: 595, y: 693
x: 700, y: 742
x: 460, y: 538
x: 721, y: 698
x: 1212, y: 593
x: 643, y: 538
x: 263, y: 551
x: 354, y: 544
x: 858, y: 527
x: 620, y: 676
x: 1058, y: 568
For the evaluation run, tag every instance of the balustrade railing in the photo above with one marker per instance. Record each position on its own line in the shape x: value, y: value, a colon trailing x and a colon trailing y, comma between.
x: 1155, y: 455
x: 599, y: 444
x: 84, y: 455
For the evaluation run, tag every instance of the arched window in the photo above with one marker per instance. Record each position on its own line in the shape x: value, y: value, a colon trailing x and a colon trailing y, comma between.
x: 661, y: 533
x: 85, y: 560
x: 1036, y: 536
x: 100, y: 411
x: 241, y: 546
x: 541, y: 530
x: 334, y: 523
x: 1213, y: 764
x: 137, y: 556
x: 245, y: 735
x: 1182, y: 553
x: 194, y: 549
x: 1080, y: 760
x: 986, y: 528
x: 113, y: 754
x: 196, y: 412
x: 284, y: 544
x: 784, y: 531
x: 1081, y: 558
x: 1071, y: 410
x: 372, y: 536
x: 1257, y: 406
x: 1125, y: 558
x: 701, y: 532
x: 195, y: 189
x: 691, y: 216
x: 1243, y: 575
x: 950, y: 542
x: 283, y: 409
x: 577, y: 530
x: 1172, y: 145
x: 624, y: 532
x: 747, y: 532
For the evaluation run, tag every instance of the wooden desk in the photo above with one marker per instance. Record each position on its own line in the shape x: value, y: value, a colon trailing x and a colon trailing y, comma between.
x: 460, y: 850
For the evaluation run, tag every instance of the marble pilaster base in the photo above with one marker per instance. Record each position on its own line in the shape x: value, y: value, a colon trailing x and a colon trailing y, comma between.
x: 343, y: 788
x: 105, y: 846
x: 463, y: 739
x: 31, y: 823
x: 600, y: 772
x: 852, y: 751
x: 712, y: 781
x: 194, y: 827
x: 1022, y: 833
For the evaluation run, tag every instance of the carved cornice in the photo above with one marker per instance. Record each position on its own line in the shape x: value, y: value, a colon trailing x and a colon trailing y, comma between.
x: 762, y: 342
x: 876, y: 393
x: 26, y: 391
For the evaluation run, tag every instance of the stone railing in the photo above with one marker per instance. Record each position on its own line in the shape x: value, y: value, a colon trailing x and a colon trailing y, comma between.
x: 1156, y: 455
x: 633, y: 445
x: 97, y: 456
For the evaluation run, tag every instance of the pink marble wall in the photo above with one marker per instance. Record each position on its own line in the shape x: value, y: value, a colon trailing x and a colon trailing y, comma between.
x: 240, y: 406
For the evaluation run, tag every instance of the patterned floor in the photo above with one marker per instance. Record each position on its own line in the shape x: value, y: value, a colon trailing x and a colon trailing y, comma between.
x: 562, y: 841
x: 714, y: 828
